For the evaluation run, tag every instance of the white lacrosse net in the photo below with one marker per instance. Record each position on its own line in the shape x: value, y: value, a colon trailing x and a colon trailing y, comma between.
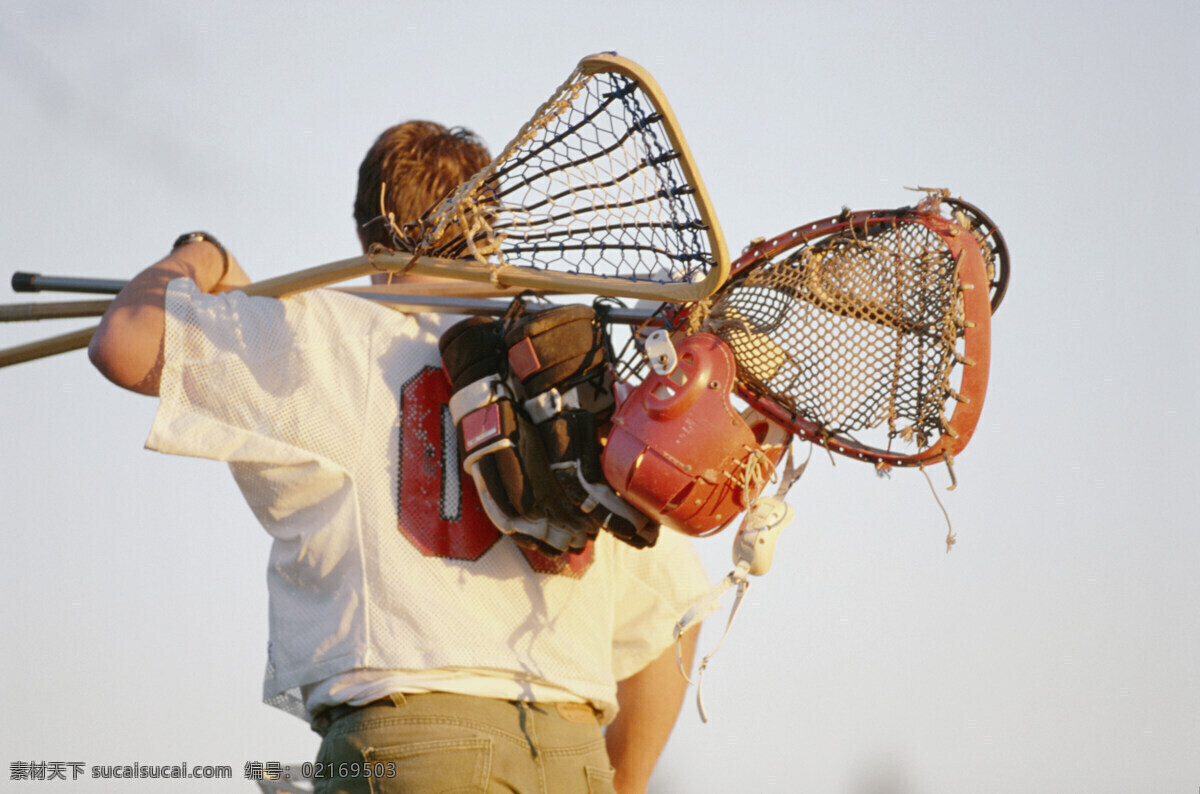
x: 592, y: 184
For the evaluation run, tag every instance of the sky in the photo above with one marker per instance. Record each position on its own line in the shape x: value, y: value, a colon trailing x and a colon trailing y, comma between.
x: 1055, y: 649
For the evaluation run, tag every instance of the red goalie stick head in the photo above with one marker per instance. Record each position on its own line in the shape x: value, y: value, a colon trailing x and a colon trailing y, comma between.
x: 868, y: 332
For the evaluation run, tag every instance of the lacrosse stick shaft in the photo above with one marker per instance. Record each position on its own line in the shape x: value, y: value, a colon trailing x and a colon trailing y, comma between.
x: 49, y: 310
x: 64, y: 343
x: 320, y: 275
x: 279, y: 287
x: 499, y: 280
x: 481, y: 306
x: 58, y: 310
x: 36, y: 282
x: 411, y: 302
x: 450, y: 297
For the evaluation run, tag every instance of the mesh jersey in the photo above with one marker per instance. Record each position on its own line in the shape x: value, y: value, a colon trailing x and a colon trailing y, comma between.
x: 331, y: 413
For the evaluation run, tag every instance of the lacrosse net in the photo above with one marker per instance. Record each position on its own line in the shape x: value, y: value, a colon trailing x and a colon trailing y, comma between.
x: 865, y: 339
x: 597, y: 191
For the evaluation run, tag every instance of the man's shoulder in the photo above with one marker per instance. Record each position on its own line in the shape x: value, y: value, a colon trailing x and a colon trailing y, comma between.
x: 332, y: 311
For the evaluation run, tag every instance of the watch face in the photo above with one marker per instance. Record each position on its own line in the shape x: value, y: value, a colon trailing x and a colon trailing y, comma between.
x: 192, y: 237
x: 195, y: 237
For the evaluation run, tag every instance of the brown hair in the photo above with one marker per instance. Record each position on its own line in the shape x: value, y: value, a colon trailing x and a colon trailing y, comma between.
x: 419, y: 162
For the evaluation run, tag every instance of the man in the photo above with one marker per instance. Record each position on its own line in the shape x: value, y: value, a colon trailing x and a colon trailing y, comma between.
x: 430, y: 651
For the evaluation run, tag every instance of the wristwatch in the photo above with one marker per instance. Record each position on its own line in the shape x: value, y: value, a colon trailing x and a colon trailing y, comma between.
x: 198, y: 237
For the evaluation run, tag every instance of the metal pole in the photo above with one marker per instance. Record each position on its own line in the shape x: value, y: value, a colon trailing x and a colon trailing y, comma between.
x: 36, y: 282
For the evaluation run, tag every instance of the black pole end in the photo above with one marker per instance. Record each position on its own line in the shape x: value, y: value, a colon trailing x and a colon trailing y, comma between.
x: 23, y: 282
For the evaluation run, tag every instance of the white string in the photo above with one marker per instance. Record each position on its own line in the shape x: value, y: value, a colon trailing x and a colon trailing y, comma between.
x: 708, y: 603
x: 746, y: 561
x: 743, y: 586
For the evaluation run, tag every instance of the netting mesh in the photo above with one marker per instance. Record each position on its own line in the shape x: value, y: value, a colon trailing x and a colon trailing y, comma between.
x: 592, y: 184
x: 855, y: 332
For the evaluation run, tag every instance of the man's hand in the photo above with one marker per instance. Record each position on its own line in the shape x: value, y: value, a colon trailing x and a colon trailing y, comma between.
x: 128, y: 345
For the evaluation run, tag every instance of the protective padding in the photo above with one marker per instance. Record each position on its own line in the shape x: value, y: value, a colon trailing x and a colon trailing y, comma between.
x: 561, y: 348
x: 526, y: 404
x: 499, y: 447
x: 680, y: 452
x: 471, y: 350
x: 559, y: 364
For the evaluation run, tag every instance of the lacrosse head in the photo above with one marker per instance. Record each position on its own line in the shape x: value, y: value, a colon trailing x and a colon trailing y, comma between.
x: 597, y: 193
x: 681, y: 453
x: 869, y: 332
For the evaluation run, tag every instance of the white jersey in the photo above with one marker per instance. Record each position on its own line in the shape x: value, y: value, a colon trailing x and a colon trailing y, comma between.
x: 384, y: 570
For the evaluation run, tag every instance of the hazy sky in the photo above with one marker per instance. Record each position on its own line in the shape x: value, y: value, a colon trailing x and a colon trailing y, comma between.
x: 1056, y: 648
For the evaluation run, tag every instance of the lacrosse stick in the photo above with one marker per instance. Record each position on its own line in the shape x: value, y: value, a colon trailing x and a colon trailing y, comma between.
x: 392, y: 294
x: 279, y: 287
x: 419, y: 296
x: 465, y: 299
x: 860, y: 331
x: 36, y: 282
x: 52, y: 310
x: 597, y: 193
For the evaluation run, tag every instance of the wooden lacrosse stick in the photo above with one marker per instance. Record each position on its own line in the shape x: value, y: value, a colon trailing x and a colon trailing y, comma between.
x: 52, y: 310
x: 597, y: 193
x: 278, y: 287
x: 421, y: 296
x: 57, y: 310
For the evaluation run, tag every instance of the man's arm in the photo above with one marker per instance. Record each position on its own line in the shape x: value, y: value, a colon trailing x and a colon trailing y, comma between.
x: 127, y: 347
x: 649, y: 702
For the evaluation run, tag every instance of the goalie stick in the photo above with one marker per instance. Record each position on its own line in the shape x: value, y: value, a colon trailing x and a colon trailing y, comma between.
x: 861, y: 331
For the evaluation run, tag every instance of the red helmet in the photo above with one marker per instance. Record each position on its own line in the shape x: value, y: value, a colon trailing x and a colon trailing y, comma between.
x: 681, y: 453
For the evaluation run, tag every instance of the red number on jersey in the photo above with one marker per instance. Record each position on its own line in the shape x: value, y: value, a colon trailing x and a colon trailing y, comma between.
x: 439, y: 509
